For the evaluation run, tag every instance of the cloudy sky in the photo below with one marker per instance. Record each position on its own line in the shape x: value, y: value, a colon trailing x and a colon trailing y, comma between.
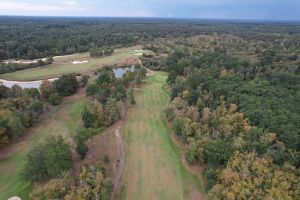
x: 211, y: 9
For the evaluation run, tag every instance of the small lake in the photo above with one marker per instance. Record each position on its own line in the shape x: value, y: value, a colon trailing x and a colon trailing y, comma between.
x: 119, y: 72
x: 25, y: 84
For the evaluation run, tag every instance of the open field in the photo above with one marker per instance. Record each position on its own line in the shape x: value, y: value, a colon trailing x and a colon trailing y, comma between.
x: 152, y: 165
x: 62, y: 119
x: 63, y: 64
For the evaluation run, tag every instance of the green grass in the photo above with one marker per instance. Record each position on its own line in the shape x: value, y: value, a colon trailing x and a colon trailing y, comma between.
x: 62, y: 121
x: 65, y: 66
x: 152, y: 167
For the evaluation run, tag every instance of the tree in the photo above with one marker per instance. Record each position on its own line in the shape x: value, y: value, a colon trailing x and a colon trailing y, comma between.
x: 55, y: 99
x: 80, y: 137
x: 112, y: 112
x: 92, y: 184
x: 131, y: 97
x: 31, y: 92
x: 248, y: 176
x: 87, y: 117
x: 46, y: 89
x: 4, y: 92
x: 120, y: 92
x: 35, y: 109
x: 16, y: 90
x: 66, y: 85
x: 16, y: 127
x: 48, y: 159
x: 92, y: 89
x: 217, y: 152
x: 84, y: 80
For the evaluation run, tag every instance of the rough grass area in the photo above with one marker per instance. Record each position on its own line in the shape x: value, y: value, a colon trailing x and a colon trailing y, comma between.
x: 64, y: 64
x: 152, y: 166
x: 62, y: 120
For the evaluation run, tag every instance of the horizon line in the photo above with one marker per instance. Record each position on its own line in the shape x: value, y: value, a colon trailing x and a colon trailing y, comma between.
x: 154, y: 17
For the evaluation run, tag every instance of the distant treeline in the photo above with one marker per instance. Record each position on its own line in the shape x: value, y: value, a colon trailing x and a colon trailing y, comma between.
x: 39, y: 37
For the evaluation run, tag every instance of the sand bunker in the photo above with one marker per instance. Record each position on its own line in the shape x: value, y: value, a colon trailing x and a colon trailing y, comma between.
x: 14, y: 198
x: 79, y: 62
x: 138, y: 54
x: 25, y: 62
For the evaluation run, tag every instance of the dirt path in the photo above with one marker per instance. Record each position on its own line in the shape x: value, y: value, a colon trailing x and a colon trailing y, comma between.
x: 121, y: 163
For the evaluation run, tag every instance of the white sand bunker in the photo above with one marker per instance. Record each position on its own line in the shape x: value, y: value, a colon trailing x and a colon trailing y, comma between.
x: 14, y: 198
x: 79, y: 62
x: 138, y: 52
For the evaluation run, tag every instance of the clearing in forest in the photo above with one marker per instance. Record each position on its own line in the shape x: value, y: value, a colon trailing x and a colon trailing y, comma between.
x: 62, y: 119
x: 152, y: 165
x: 84, y: 64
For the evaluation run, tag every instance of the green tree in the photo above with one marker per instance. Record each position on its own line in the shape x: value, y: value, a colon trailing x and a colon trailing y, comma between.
x: 131, y: 97
x: 46, y: 89
x: 55, y: 99
x: 48, y: 159
x: 66, y: 85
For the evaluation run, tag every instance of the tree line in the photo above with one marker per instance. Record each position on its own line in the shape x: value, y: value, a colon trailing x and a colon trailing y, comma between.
x: 42, y: 37
x: 237, y: 115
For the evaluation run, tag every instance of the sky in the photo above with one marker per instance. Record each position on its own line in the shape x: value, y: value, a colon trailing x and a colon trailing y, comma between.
x: 203, y: 9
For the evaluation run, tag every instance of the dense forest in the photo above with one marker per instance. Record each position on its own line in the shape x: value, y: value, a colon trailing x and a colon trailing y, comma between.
x: 235, y: 104
x: 40, y: 37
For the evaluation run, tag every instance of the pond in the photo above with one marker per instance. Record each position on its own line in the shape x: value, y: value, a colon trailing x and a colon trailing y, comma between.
x: 27, y: 84
x: 120, y: 71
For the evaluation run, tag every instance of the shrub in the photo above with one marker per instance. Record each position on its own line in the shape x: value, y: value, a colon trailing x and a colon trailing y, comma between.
x: 55, y: 99
x: 131, y: 97
x: 80, y: 137
x: 66, y: 85
x: 211, y: 175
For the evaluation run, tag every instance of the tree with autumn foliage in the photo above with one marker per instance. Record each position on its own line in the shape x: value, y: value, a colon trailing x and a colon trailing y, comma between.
x: 249, y: 176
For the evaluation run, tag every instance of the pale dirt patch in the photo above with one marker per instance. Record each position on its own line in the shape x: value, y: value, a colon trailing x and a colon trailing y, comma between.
x: 79, y: 62
x: 14, y: 198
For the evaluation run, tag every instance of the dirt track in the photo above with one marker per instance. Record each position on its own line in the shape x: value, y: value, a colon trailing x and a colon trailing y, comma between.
x: 121, y: 163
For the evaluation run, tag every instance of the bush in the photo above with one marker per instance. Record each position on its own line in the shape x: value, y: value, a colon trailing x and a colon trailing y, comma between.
x: 31, y: 92
x: 82, y: 149
x: 80, y: 137
x: 46, y: 89
x: 211, y: 175
x: 191, y: 156
x: 84, y: 80
x: 131, y: 97
x: 48, y: 159
x: 55, y: 98
x: 66, y: 85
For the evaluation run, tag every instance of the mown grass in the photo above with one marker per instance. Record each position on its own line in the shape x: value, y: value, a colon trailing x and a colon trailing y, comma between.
x: 61, y: 121
x: 152, y: 166
x: 65, y: 65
